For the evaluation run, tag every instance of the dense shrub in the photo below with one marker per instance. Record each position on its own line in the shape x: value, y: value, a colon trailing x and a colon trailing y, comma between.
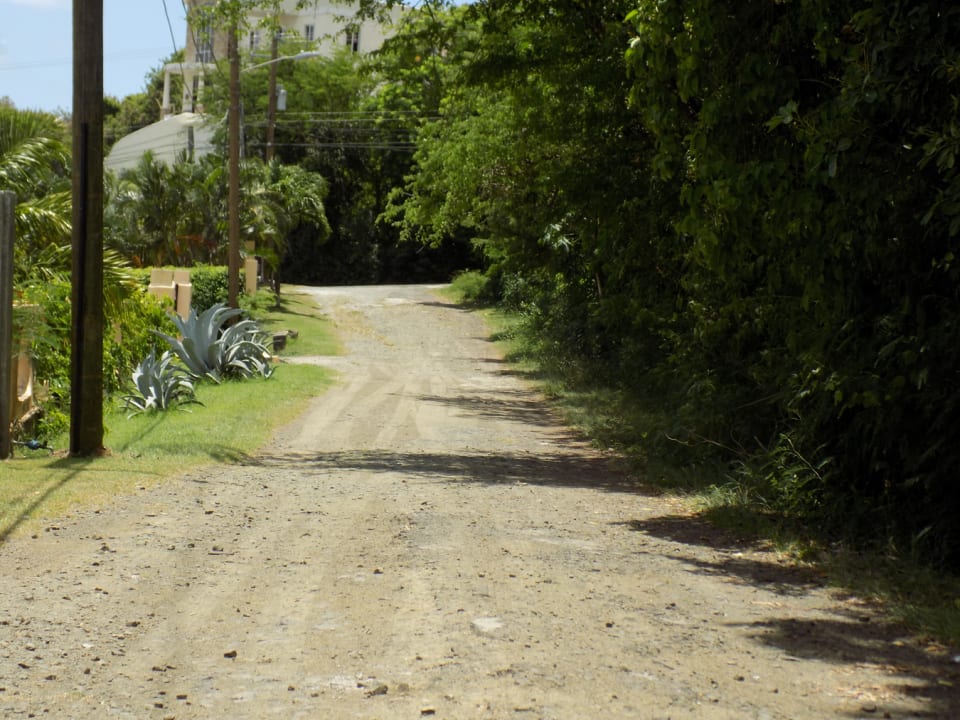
x: 129, y: 337
x: 816, y: 154
x: 210, y: 286
x: 209, y: 283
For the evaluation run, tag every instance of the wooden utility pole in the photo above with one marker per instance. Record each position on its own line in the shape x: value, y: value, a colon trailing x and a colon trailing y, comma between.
x: 8, y: 201
x: 233, y: 195
x: 86, y: 367
x: 233, y: 171
x: 272, y: 97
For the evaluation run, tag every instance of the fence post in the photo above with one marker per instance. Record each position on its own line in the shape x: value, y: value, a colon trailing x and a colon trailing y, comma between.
x: 8, y: 202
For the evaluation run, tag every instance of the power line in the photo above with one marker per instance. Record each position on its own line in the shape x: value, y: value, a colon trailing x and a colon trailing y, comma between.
x: 135, y: 153
x: 60, y: 62
x: 173, y: 39
x: 397, y: 146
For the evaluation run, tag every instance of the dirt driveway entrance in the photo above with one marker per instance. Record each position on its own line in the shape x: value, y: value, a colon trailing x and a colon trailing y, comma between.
x: 429, y: 542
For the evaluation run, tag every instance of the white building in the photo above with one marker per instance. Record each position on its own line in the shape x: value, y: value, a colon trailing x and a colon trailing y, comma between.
x: 320, y: 27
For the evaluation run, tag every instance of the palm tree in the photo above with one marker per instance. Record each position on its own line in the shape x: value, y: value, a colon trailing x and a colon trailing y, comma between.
x: 277, y: 200
x: 34, y: 164
x: 160, y: 214
x: 147, y: 206
x: 203, y: 223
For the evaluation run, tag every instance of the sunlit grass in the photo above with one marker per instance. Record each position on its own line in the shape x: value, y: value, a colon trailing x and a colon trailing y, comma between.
x: 299, y: 313
x: 926, y: 600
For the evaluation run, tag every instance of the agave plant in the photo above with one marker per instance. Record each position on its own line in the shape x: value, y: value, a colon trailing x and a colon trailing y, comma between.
x: 159, y: 385
x: 210, y: 350
x: 244, y: 352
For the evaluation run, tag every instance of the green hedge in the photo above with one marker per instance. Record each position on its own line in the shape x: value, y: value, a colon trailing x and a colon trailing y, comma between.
x: 750, y: 219
x: 210, y: 286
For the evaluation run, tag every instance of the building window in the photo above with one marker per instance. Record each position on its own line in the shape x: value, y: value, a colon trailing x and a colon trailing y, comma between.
x: 254, y: 39
x: 204, y: 43
x: 308, y: 32
x: 353, y: 40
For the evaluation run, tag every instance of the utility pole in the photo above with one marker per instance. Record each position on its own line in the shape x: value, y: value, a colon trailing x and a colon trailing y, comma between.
x: 272, y: 97
x: 8, y: 203
x: 233, y: 195
x: 86, y: 366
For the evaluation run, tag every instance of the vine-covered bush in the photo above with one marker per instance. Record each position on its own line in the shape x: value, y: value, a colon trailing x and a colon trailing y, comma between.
x: 816, y: 155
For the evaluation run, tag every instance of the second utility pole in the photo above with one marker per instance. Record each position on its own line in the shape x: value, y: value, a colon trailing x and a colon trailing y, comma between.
x: 272, y: 96
x: 233, y: 194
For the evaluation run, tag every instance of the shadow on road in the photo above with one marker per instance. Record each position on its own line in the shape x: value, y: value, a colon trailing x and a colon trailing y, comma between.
x: 848, y: 635
x: 853, y: 639
x: 514, y: 405
x: 549, y: 469
x: 71, y: 468
x: 736, y: 562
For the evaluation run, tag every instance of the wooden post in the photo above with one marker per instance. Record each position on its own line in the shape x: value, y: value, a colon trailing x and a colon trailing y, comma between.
x: 233, y: 194
x: 86, y: 367
x: 272, y: 97
x: 8, y: 202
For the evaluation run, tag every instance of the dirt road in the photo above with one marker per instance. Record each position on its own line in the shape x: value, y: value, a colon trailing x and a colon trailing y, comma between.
x: 429, y: 542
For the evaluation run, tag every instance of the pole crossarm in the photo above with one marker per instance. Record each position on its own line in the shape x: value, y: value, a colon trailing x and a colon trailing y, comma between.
x: 299, y: 56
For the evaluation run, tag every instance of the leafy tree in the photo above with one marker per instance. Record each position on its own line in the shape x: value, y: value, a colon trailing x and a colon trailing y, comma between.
x: 537, y: 159
x: 296, y: 198
x: 759, y: 227
x: 353, y: 122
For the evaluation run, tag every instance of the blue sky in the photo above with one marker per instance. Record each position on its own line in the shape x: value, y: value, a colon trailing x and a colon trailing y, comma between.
x: 36, y: 48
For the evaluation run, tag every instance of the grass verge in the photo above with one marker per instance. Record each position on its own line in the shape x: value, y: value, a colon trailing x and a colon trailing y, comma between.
x: 298, y: 313
x: 235, y: 419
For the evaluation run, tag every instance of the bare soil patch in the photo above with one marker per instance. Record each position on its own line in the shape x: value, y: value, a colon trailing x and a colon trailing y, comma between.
x: 428, y: 541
